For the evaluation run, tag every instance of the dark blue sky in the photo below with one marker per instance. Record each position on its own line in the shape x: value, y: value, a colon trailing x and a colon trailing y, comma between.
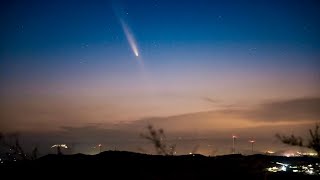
x: 78, y: 55
x: 35, y: 27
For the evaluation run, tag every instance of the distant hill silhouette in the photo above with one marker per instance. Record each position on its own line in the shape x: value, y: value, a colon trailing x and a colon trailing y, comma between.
x: 129, y: 165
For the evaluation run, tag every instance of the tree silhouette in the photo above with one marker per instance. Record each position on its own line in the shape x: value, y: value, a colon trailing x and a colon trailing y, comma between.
x: 313, y: 142
x: 158, y: 139
x: 11, y: 143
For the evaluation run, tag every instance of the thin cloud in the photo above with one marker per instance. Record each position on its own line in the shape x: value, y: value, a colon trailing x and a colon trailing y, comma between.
x: 210, y: 100
x: 282, y: 111
x: 288, y: 110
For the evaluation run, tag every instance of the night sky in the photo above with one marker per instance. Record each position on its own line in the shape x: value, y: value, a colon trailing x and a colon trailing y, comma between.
x: 88, y: 72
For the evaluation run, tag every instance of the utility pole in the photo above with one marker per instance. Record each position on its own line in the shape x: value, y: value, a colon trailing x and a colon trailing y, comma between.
x: 233, y: 144
x: 252, y: 142
x: 100, y: 145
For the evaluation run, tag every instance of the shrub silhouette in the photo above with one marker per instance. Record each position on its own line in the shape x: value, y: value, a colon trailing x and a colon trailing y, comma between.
x: 11, y: 144
x: 158, y: 139
x: 313, y: 142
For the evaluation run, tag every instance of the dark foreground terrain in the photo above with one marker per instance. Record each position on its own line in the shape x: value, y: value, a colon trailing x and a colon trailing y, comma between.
x: 121, y: 164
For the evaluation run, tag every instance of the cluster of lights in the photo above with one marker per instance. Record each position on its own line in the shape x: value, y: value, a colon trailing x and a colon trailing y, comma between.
x: 306, y: 154
x: 98, y: 146
x: 297, y: 154
x: 270, y: 152
x: 280, y: 167
x: 310, y: 169
x: 60, y: 145
x: 289, y: 154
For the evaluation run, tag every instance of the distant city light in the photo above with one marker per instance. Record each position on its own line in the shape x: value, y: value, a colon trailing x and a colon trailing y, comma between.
x: 283, y: 168
x: 283, y: 164
x: 270, y: 152
x: 60, y: 145
x: 307, y: 154
x: 292, y: 154
x: 310, y: 169
x: 289, y: 154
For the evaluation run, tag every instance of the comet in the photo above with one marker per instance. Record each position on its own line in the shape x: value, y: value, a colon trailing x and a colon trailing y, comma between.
x: 130, y: 38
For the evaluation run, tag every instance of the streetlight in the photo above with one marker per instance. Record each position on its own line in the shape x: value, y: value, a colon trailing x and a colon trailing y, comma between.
x: 233, y: 143
x: 100, y: 145
x: 252, y: 142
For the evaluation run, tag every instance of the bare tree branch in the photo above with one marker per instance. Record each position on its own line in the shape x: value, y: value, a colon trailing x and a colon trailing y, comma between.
x: 11, y: 143
x: 157, y: 138
x: 313, y: 141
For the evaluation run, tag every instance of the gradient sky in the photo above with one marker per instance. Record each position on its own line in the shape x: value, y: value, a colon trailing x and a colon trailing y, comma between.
x: 202, y: 65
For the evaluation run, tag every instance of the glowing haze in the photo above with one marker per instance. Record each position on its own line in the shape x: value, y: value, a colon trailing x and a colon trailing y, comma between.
x: 217, y: 69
